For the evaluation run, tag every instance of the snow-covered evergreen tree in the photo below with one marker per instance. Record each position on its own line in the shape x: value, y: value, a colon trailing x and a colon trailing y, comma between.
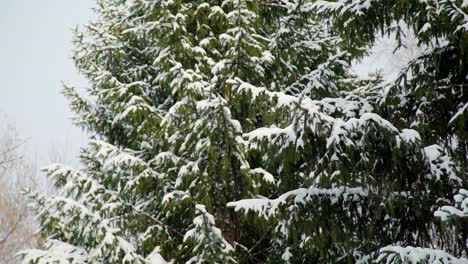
x: 229, y: 131
x: 209, y: 244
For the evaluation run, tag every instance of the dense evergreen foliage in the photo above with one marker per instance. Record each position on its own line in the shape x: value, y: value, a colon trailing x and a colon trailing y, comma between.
x: 232, y: 131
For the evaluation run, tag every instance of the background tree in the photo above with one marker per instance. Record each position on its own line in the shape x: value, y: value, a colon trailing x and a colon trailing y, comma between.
x: 16, y: 172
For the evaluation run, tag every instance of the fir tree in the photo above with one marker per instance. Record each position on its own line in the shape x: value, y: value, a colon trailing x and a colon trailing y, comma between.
x: 232, y: 131
x: 210, y: 245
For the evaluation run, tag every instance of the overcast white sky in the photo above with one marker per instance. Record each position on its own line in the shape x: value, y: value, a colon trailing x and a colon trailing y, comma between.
x: 35, y: 43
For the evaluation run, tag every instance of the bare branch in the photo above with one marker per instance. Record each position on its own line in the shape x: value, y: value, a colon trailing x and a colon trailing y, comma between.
x: 21, y: 215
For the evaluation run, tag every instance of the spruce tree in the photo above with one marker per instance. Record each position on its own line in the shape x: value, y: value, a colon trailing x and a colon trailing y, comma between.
x: 232, y: 131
